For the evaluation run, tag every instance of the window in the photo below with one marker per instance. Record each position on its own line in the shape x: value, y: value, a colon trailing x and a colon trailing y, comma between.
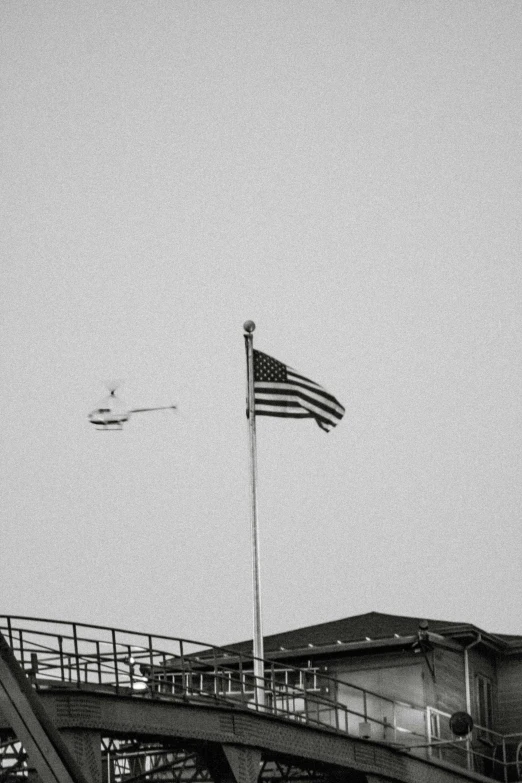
x: 484, y: 702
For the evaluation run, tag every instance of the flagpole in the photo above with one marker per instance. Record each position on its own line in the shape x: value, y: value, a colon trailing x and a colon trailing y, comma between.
x: 249, y: 327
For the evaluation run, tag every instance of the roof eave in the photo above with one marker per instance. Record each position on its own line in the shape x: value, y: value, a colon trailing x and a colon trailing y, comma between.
x: 363, y: 645
x: 488, y: 639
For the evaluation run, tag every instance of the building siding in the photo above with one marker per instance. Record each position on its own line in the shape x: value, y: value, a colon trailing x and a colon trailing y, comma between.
x: 449, y: 686
x: 509, y: 695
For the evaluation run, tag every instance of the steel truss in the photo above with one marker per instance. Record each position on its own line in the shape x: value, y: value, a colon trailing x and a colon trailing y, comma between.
x: 132, y: 761
x: 13, y: 761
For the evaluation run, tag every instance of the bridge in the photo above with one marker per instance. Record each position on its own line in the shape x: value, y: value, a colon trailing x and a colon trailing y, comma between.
x: 118, y: 706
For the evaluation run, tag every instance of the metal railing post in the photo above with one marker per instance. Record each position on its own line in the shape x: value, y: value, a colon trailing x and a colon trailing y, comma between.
x: 183, y: 675
x: 190, y: 684
x: 241, y: 677
x: 76, y: 654
x: 62, y: 665
x: 131, y: 666
x: 22, y: 660
x: 302, y: 679
x: 273, y: 689
x: 115, y: 659
x: 98, y: 660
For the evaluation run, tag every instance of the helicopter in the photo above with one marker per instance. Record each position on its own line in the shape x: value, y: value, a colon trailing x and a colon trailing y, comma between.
x: 111, y: 413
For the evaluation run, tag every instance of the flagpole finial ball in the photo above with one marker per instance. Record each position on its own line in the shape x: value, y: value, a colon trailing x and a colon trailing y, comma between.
x: 249, y: 326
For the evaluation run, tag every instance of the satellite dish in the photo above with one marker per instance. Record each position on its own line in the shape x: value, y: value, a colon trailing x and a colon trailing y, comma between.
x: 461, y: 724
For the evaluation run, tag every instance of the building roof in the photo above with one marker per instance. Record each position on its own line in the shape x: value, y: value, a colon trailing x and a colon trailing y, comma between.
x: 372, y: 626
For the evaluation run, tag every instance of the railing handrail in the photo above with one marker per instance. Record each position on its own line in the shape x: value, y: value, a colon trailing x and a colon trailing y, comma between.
x: 318, y: 708
x: 118, y: 630
x: 240, y: 656
x: 477, y: 727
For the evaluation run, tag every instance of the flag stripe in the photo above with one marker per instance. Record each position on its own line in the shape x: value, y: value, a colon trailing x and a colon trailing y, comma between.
x: 295, y: 375
x: 294, y: 413
x: 280, y: 391
x: 265, y: 390
x: 298, y: 380
x: 291, y: 414
x: 278, y: 396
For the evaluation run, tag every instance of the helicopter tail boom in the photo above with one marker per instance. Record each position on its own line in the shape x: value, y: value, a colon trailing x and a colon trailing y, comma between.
x: 162, y: 408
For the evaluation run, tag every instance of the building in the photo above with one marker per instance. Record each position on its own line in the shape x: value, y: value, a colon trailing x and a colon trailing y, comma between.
x: 402, y: 679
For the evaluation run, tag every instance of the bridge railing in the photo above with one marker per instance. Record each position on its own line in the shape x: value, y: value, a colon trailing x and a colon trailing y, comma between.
x: 484, y: 750
x: 59, y: 654
x: 62, y: 654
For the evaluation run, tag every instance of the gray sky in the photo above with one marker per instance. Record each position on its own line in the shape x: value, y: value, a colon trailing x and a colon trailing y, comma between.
x: 348, y: 175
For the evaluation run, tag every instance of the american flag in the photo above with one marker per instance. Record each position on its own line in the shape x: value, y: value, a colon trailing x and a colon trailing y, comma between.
x: 280, y: 391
